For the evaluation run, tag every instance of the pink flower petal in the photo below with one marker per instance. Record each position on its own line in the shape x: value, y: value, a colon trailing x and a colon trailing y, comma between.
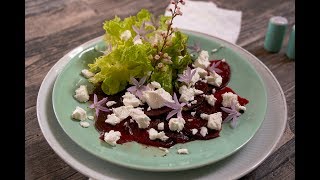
x: 172, y: 113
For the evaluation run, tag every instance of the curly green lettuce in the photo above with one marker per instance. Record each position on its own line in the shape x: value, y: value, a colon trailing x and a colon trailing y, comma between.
x: 126, y: 59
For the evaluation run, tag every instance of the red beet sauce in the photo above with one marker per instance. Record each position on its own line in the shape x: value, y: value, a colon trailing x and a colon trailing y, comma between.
x: 130, y: 131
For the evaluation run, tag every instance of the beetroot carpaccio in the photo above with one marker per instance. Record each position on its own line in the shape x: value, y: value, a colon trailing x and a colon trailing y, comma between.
x: 155, y: 88
x: 192, y: 115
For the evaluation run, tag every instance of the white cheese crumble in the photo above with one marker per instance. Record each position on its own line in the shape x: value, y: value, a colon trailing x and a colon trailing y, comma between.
x: 87, y: 74
x: 122, y: 112
x: 213, y: 90
x: 138, y: 115
x: 155, y: 84
x: 130, y: 99
x: 183, y: 151
x: 194, y: 102
x: 112, y: 137
x: 223, y: 60
x: 90, y: 117
x: 82, y: 94
x: 111, y: 103
x: 157, y: 99
x: 176, y: 124
x: 203, y: 60
x: 84, y: 124
x: 228, y: 98
x: 214, y: 79
x: 194, y: 131
x: 161, y: 126
x: 164, y: 149
x: 125, y: 35
x: 203, y: 131
x: 79, y: 114
x: 149, y: 109
x: 112, y: 119
x: 187, y: 94
x: 202, y: 73
x: 211, y: 99
x: 214, y: 120
x: 193, y: 113
x: 154, y: 134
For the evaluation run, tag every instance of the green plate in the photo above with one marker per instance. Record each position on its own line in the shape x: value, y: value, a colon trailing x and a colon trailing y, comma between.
x: 244, y: 80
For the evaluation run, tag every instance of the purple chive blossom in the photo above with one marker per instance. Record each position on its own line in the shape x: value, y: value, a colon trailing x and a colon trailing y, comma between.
x: 141, y: 32
x: 153, y: 22
x: 195, y: 48
x: 213, y: 67
x: 187, y: 76
x: 176, y: 106
x: 97, y: 105
x: 138, y: 86
x: 233, y: 114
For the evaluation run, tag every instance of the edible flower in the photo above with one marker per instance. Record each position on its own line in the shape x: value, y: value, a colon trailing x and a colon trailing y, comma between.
x: 213, y: 67
x: 187, y: 76
x: 97, y: 105
x: 233, y: 114
x: 195, y: 48
x: 138, y: 86
x: 176, y: 106
x: 141, y: 32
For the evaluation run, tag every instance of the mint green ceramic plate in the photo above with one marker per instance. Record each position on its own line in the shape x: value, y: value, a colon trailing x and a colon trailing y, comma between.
x: 244, y: 80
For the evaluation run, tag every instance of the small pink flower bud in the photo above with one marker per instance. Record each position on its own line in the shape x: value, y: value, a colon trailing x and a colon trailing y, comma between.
x: 157, y: 57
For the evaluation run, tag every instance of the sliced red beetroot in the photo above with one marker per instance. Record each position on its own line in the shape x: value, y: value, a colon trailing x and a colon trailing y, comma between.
x: 225, y: 74
x: 199, y: 100
x: 201, y: 86
x: 157, y: 112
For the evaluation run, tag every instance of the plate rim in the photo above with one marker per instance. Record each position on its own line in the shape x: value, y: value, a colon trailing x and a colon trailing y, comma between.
x: 246, y: 52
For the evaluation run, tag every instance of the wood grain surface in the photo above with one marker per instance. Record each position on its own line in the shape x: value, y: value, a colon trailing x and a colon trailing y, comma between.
x: 54, y: 27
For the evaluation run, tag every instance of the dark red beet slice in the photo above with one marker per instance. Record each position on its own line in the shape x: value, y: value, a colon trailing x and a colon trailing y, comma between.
x: 157, y: 112
x: 199, y: 99
x: 201, y: 86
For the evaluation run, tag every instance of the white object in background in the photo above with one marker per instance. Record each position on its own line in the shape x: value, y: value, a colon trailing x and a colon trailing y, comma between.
x: 206, y: 17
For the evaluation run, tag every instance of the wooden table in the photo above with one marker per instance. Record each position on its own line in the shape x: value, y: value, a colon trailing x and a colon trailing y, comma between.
x: 54, y: 27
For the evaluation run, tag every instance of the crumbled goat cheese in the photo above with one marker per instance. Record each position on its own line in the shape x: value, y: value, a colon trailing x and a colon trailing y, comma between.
x: 211, y: 99
x: 228, y: 98
x: 157, y: 99
x: 193, y: 113
x: 87, y: 74
x: 149, y: 109
x: 111, y: 103
x: 130, y: 99
x: 214, y: 120
x: 194, y: 102
x: 112, y: 137
x: 161, y: 126
x: 155, y: 84
x: 183, y: 151
x: 79, y: 114
x: 214, y: 79
x: 203, y: 131
x: 139, y: 116
x: 187, y: 94
x: 194, y: 131
x: 176, y: 124
x: 202, y: 73
x: 112, y: 119
x: 84, y: 124
x: 82, y: 94
x: 203, y: 60
x: 154, y: 134
x: 90, y: 117
x: 122, y: 112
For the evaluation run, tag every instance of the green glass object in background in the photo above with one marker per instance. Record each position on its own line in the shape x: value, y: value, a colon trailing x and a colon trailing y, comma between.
x: 275, y: 33
x: 291, y: 44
